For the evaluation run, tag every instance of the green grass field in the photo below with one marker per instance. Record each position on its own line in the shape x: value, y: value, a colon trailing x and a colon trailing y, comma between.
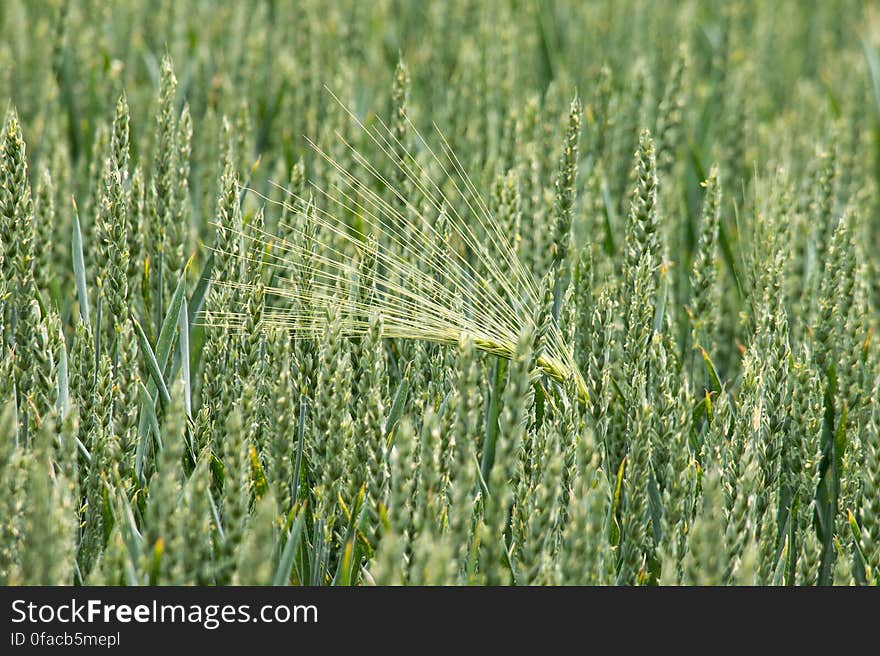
x: 474, y: 292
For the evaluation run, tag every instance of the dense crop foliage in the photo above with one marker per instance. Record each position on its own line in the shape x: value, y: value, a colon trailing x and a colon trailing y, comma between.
x: 610, y: 323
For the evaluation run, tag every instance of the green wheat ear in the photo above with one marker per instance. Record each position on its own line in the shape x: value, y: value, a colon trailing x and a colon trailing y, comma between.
x: 489, y: 298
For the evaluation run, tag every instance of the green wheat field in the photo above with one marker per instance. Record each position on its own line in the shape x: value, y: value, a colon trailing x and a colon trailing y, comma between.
x: 501, y: 292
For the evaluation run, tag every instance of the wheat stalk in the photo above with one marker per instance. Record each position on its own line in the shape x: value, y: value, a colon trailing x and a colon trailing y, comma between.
x: 489, y: 300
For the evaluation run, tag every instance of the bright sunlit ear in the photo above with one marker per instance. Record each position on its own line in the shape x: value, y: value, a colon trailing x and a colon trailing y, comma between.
x: 433, y: 279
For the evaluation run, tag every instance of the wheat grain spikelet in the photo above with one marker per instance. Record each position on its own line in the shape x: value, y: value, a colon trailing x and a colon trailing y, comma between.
x: 489, y: 297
